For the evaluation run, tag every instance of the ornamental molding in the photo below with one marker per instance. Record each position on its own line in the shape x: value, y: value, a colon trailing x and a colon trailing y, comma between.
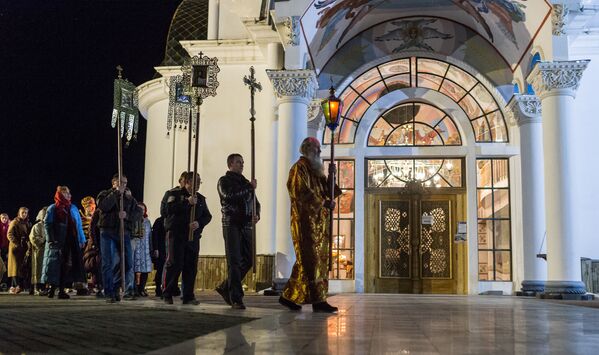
x: 292, y: 30
x: 557, y: 78
x: 523, y: 109
x: 314, y: 110
x: 300, y: 83
x: 559, y: 15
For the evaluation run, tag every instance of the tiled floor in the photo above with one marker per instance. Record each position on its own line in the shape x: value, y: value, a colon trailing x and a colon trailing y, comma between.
x: 405, y: 324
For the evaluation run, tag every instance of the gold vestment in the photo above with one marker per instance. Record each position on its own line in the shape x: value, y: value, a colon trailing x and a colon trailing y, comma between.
x: 310, y: 233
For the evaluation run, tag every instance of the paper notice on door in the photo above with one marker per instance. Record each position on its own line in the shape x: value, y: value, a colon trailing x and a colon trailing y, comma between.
x: 427, y: 220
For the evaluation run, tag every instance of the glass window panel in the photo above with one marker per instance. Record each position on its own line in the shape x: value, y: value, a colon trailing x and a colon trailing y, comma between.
x: 485, y: 265
x: 448, y: 130
x: 436, y: 181
x: 403, y: 135
x: 502, y: 203
x: 400, y: 115
x: 375, y: 92
x: 356, y: 111
x: 395, y: 67
x: 348, y: 97
x: 346, y: 204
x: 366, y: 80
x: 428, y: 114
x: 459, y: 76
x: 503, y: 265
x: 402, y: 169
x: 346, y: 174
x: 432, y: 66
x: 426, y: 169
x: 398, y: 82
x: 500, y: 173
x: 345, y: 234
x: 485, y: 203
x: 429, y: 81
x: 470, y: 106
x: 502, y: 234
x: 392, y: 181
x: 498, y: 127
x: 484, y: 98
x: 483, y: 173
x: 379, y: 133
x: 377, y: 172
x: 452, y: 90
x: 425, y: 135
x: 452, y: 172
x: 347, y: 132
x: 345, y: 264
x: 481, y: 130
x: 485, y: 234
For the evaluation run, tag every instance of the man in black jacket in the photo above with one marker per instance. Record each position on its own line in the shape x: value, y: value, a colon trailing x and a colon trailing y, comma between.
x: 108, y: 222
x: 181, y: 252
x: 159, y: 252
x: 236, y: 198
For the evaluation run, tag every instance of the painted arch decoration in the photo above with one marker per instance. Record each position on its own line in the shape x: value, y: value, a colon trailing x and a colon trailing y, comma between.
x: 482, y: 109
x: 507, y: 27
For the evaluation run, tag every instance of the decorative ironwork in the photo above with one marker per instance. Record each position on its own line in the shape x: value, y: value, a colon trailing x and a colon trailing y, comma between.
x: 125, y: 103
x: 395, y: 239
x: 435, y: 247
x: 199, y: 76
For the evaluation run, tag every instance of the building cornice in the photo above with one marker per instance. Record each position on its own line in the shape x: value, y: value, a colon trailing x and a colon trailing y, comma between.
x: 557, y: 78
x: 236, y: 51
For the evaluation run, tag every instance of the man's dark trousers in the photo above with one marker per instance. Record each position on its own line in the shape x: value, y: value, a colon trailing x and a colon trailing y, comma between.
x: 238, y: 246
x: 181, y: 257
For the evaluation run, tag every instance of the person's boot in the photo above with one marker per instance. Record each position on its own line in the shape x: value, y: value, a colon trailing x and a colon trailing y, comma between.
x: 324, y: 307
x: 51, y: 292
x: 63, y: 295
x: 224, y: 293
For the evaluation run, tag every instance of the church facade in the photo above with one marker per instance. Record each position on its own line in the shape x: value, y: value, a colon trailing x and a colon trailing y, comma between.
x: 465, y: 149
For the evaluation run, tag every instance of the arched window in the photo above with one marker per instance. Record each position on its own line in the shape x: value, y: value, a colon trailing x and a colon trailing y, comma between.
x: 470, y: 94
x: 414, y: 124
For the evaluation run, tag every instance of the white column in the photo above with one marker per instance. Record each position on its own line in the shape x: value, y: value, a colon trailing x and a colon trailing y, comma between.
x: 294, y: 90
x: 556, y: 84
x: 526, y: 113
x: 213, y: 19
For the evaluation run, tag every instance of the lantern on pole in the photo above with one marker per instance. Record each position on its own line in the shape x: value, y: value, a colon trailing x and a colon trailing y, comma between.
x: 331, y: 107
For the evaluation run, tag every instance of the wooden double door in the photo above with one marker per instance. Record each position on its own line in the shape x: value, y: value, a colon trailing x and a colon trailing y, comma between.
x: 410, y: 244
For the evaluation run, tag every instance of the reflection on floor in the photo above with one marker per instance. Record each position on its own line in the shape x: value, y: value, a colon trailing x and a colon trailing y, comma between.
x: 403, y: 324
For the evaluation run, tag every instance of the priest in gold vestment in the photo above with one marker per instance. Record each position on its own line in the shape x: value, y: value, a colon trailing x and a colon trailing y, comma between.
x: 310, y: 210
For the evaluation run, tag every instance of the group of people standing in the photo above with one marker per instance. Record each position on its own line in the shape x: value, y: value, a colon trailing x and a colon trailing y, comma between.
x: 65, y: 244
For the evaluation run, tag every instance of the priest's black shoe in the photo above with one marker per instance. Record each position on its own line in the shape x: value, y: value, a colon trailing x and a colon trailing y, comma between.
x: 224, y: 293
x: 291, y: 305
x: 324, y: 307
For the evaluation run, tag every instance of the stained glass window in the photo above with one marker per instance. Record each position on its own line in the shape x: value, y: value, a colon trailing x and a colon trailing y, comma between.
x: 392, y: 173
x: 414, y: 124
x: 487, y: 120
x: 494, y: 224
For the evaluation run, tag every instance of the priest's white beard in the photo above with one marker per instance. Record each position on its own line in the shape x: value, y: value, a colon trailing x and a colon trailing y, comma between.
x: 316, y: 164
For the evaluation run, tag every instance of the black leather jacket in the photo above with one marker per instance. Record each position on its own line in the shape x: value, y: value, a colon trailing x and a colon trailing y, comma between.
x: 236, y: 195
x: 178, y: 210
x: 108, y: 204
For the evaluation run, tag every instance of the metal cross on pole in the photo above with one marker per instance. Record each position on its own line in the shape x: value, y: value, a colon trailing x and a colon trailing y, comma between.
x: 253, y: 86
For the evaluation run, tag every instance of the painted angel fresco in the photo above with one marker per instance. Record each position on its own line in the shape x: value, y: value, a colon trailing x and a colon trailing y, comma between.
x: 330, y: 17
x: 413, y: 34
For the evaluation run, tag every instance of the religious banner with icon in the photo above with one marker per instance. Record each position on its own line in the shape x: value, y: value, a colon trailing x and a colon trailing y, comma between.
x: 179, y: 105
x: 125, y: 107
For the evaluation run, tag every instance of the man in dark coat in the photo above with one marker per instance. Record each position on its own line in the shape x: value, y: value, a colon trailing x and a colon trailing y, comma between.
x: 183, y: 238
x: 158, y: 252
x: 236, y: 198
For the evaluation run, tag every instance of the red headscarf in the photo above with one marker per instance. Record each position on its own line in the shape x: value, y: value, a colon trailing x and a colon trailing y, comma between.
x: 63, y: 206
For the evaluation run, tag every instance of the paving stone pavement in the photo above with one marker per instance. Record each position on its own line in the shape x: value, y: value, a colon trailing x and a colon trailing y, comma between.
x: 85, y: 325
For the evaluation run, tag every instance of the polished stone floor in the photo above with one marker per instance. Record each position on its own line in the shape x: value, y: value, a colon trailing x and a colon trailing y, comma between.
x: 404, y: 324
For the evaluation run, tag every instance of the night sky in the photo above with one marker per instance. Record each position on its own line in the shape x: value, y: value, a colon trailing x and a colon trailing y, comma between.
x: 57, y: 66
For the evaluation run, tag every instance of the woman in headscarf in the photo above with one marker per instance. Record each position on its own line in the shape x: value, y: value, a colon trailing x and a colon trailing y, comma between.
x: 4, y: 222
x: 37, y: 237
x: 142, y: 263
x: 62, y: 257
x: 18, y: 235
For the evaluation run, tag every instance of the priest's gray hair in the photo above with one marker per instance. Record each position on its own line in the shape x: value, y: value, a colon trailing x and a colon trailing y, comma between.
x: 308, y: 143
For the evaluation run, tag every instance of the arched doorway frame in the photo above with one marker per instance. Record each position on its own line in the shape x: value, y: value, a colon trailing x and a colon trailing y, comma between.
x: 470, y: 150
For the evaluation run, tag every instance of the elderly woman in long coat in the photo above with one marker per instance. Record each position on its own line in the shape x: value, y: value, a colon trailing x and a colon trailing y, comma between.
x: 37, y: 237
x: 18, y: 235
x: 63, y: 264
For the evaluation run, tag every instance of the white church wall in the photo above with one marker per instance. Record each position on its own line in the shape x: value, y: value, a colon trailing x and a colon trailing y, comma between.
x: 231, y: 13
x: 585, y: 122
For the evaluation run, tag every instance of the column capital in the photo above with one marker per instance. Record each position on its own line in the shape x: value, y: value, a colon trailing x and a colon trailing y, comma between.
x: 293, y: 84
x: 557, y: 78
x: 559, y: 16
x: 524, y: 109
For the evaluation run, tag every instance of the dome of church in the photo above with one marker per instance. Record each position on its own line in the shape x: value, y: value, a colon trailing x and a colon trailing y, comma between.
x: 190, y: 22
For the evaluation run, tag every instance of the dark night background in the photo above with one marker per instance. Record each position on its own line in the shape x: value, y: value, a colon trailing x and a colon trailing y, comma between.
x: 57, y: 66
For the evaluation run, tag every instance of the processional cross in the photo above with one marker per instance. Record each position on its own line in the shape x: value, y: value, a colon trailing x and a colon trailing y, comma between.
x: 253, y: 86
